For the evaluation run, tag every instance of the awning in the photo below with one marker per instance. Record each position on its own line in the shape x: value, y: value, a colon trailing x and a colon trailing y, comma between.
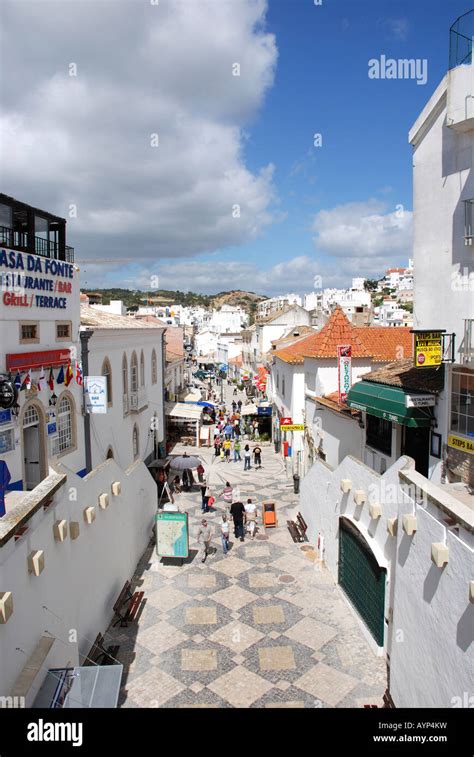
x: 182, y: 410
x: 249, y: 410
x: 90, y: 686
x: 388, y: 402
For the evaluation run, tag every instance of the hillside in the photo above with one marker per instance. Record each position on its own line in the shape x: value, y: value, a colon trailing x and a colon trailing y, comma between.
x: 134, y: 298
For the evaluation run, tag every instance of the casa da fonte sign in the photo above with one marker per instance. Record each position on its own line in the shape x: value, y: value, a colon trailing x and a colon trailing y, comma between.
x: 26, y: 281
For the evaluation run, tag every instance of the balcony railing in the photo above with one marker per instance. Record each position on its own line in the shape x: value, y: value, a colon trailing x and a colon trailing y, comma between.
x: 460, y: 40
x: 47, y: 248
x: 466, y: 350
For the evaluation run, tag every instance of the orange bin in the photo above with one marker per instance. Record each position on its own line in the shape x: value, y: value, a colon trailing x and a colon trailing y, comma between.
x: 269, y: 515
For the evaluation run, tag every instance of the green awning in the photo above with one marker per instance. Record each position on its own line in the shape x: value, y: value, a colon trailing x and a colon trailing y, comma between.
x: 387, y: 402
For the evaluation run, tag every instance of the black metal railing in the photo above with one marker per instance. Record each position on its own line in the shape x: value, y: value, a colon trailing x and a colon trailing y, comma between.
x: 460, y: 40
x: 47, y: 248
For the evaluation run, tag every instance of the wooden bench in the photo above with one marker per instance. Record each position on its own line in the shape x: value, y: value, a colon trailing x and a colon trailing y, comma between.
x: 294, y: 531
x: 99, y: 655
x: 302, y: 525
x: 127, y: 605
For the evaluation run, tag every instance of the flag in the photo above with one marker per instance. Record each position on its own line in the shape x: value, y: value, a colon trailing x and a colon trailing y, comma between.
x: 51, y: 379
x: 78, y: 373
x: 41, y: 380
x: 60, y: 376
x: 18, y: 380
x: 69, y: 375
x: 26, y: 383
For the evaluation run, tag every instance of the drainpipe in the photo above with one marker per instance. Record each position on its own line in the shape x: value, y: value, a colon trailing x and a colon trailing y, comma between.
x: 85, y: 336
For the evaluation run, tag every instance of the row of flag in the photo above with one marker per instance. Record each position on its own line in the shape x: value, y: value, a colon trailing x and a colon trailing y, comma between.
x: 64, y: 377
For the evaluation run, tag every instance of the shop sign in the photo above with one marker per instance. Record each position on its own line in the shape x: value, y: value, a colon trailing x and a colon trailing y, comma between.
x: 95, y: 391
x: 461, y: 444
x: 344, y: 364
x: 420, y: 400
x: 286, y: 422
x: 294, y: 427
x: 428, y: 349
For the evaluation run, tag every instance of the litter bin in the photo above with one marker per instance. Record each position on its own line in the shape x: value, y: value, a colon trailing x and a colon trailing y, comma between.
x: 285, y: 449
x: 296, y: 483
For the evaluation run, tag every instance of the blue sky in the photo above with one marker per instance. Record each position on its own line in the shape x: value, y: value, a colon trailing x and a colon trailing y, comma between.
x: 147, y: 214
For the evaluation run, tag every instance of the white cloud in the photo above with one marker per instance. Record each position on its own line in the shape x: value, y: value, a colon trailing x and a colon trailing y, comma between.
x: 142, y: 69
x: 364, y: 230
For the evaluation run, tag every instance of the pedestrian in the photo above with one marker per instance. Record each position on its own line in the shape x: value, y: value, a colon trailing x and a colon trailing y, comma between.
x: 239, y: 403
x: 204, y: 497
x: 217, y: 446
x: 176, y: 486
x: 237, y: 447
x: 204, y: 539
x: 251, y: 516
x: 247, y: 457
x: 225, y: 534
x: 228, y: 431
x: 237, y: 511
x: 227, y: 493
x: 257, y: 456
x: 234, y: 406
x: 188, y: 479
x: 227, y: 447
x: 256, y: 432
x: 235, y: 392
x: 200, y: 471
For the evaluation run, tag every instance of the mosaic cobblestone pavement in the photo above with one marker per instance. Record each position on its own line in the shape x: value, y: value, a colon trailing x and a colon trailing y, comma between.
x: 264, y: 626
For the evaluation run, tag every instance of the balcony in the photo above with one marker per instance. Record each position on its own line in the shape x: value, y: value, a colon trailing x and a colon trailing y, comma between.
x: 460, y: 40
x: 47, y: 248
x: 138, y: 400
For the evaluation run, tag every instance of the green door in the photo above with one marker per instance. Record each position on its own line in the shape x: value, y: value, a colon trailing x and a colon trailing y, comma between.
x: 362, y: 579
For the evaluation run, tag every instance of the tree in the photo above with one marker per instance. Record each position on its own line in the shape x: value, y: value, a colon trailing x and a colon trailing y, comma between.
x: 370, y: 285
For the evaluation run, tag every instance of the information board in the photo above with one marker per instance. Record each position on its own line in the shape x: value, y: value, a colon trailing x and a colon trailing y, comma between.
x: 172, y: 534
x: 428, y: 349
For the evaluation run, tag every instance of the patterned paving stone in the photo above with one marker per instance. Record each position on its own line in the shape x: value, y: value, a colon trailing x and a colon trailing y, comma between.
x: 198, y: 659
x: 276, y: 658
x: 310, y: 632
x: 233, y: 567
x: 327, y: 684
x: 161, y: 637
x: 234, y: 597
x: 237, y: 636
x: 240, y: 687
x: 262, y: 580
x: 269, y: 614
x: 167, y: 599
x: 201, y: 616
x: 155, y: 687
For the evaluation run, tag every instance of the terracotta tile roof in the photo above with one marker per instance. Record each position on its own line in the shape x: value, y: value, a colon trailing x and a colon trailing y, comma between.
x: 332, y: 401
x: 378, y: 343
x: 404, y: 375
x: 289, y: 337
x: 236, y: 360
x: 100, y: 319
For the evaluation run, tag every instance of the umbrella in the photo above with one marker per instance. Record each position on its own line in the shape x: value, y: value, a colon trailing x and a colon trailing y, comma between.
x: 182, y: 462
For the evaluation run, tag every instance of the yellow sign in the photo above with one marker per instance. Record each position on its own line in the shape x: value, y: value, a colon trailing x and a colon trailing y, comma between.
x: 428, y: 349
x: 292, y: 428
x: 458, y: 442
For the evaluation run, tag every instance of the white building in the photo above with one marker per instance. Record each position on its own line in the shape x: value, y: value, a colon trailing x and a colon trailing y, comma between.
x: 443, y: 148
x: 115, y: 307
x: 391, y: 314
x: 228, y: 319
x: 273, y: 304
x: 129, y: 352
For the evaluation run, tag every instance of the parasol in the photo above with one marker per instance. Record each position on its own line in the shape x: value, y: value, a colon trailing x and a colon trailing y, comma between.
x: 183, y: 462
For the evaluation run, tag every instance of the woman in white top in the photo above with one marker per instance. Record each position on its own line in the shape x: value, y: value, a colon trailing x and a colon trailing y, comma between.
x: 251, y: 511
x: 225, y: 534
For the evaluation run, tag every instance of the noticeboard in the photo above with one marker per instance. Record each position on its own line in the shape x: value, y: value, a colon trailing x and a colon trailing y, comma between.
x: 428, y: 349
x: 172, y: 534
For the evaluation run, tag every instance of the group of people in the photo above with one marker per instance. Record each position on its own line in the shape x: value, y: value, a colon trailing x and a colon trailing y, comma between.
x: 244, y: 518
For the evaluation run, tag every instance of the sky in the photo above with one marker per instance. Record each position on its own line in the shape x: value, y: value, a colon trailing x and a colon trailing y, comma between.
x: 208, y: 145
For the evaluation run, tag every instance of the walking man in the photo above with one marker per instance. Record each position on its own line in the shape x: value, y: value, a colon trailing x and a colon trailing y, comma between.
x: 225, y: 534
x: 204, y: 539
x: 237, y: 511
x: 205, y: 498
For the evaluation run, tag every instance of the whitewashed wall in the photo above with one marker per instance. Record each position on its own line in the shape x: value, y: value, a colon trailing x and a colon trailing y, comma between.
x: 341, y: 435
x: 82, y: 578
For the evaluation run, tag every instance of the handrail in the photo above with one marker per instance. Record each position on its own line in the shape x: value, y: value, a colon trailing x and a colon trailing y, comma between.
x: 46, y: 248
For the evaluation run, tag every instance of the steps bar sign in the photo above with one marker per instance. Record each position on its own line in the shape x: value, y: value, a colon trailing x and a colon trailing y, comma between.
x: 344, y: 365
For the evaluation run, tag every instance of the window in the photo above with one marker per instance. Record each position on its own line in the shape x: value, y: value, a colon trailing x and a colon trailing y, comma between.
x: 134, y: 373
x: 142, y: 369
x: 7, y: 440
x: 462, y: 402
x: 110, y: 454
x: 283, y: 386
x: 468, y: 222
x: 63, y: 330
x: 278, y: 380
x: 64, y: 423
x: 125, y: 383
x: 29, y: 332
x: 135, y: 442
x: 107, y: 372
x: 154, y: 368
x: 379, y: 434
